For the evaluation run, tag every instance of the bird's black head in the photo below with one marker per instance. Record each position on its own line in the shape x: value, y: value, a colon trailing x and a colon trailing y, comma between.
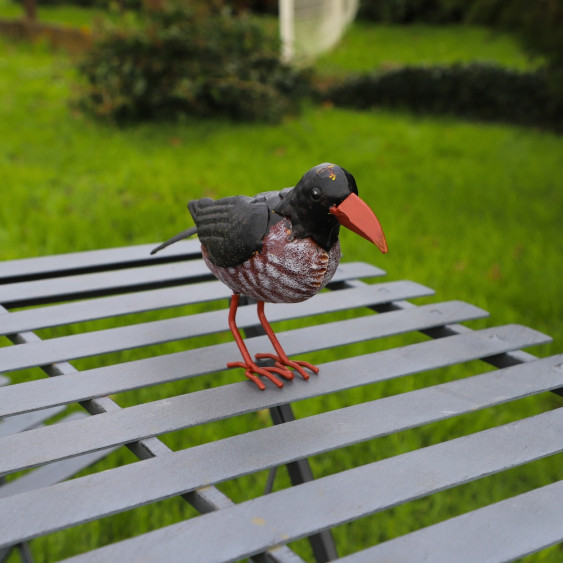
x: 324, y: 186
x: 308, y: 204
x: 325, y: 198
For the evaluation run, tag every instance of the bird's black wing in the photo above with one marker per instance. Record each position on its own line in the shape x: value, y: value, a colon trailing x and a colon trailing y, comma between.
x: 231, y: 228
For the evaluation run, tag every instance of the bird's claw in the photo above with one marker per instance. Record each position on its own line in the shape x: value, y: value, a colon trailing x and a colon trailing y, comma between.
x: 282, y: 363
x: 285, y: 363
x: 267, y: 371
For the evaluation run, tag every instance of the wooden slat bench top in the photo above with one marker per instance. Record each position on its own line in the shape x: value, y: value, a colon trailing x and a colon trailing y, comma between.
x: 96, y: 301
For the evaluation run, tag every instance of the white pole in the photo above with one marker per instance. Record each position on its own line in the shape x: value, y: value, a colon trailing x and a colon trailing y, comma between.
x: 287, y: 29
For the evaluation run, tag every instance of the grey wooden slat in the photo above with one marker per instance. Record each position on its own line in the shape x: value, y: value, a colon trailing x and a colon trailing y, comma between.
x: 22, y: 422
x: 49, y: 474
x: 158, y: 332
x: 99, y: 495
x: 151, y: 371
x: 4, y: 380
x: 206, y: 499
x: 116, y: 305
x: 122, y: 256
x: 139, y: 301
x: 92, y: 284
x: 142, y: 421
x: 103, y: 307
x: 290, y: 514
x: 504, y: 531
x: 83, y: 285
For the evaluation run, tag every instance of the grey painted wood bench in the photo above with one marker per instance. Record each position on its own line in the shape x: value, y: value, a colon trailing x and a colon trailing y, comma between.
x: 123, y: 282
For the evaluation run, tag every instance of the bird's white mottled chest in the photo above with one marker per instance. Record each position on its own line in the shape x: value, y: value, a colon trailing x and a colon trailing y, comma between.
x: 287, y: 270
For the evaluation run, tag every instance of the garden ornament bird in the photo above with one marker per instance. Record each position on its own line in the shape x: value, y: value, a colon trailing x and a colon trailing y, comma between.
x: 280, y: 247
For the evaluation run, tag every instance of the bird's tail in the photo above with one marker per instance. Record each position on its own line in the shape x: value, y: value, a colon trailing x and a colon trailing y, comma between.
x: 184, y: 234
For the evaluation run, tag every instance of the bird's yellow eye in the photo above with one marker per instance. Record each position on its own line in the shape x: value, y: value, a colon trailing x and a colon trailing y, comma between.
x: 316, y: 193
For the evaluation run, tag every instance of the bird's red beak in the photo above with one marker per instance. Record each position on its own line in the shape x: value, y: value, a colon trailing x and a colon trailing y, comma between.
x: 354, y: 214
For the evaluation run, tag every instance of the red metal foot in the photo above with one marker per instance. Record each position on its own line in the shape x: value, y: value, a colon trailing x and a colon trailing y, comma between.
x: 285, y: 362
x: 252, y: 371
x: 281, y: 360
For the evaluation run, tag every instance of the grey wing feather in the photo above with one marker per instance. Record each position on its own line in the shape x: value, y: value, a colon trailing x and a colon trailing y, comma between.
x: 231, y: 228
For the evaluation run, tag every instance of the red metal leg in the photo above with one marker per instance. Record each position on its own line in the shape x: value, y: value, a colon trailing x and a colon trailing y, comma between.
x: 281, y: 359
x: 248, y: 364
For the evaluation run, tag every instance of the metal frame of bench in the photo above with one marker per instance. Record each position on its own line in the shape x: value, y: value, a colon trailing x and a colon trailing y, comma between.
x: 47, y: 474
x: 57, y: 290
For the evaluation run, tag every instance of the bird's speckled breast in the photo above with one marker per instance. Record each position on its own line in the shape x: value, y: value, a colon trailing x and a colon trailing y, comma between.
x: 287, y: 270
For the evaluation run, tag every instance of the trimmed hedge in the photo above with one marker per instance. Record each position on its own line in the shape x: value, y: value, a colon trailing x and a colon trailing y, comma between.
x: 538, y: 23
x: 474, y: 91
x: 408, y: 11
x: 189, y: 59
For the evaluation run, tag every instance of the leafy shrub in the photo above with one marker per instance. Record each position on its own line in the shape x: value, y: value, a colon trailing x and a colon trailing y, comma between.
x: 188, y: 59
x: 477, y: 91
x: 256, y: 6
x: 82, y: 3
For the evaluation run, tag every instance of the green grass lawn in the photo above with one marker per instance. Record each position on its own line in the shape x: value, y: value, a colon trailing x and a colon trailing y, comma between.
x: 472, y: 210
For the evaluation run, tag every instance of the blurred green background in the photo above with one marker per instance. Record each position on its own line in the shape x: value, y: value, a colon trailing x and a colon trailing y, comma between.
x: 473, y: 210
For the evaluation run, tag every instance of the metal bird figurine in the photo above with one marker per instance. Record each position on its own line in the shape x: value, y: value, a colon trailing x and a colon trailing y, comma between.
x: 280, y: 247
